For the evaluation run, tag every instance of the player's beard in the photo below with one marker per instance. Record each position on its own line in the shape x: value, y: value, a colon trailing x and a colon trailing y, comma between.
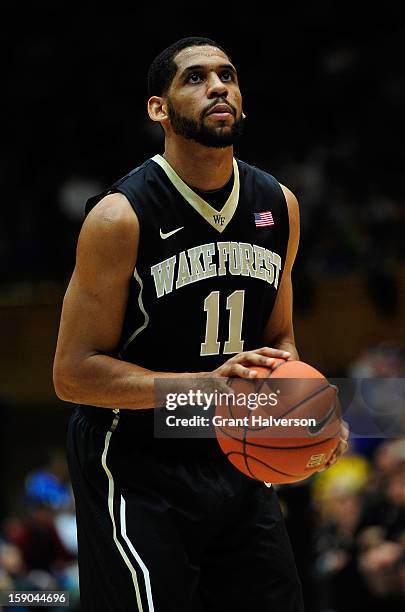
x: 202, y: 133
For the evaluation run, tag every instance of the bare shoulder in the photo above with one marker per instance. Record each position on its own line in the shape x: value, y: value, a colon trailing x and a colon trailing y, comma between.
x: 110, y: 233
x: 113, y: 211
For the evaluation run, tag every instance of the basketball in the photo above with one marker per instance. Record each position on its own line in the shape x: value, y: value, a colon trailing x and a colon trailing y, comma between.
x: 290, y: 433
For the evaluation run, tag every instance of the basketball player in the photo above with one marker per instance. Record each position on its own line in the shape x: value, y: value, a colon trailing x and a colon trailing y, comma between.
x: 183, y: 270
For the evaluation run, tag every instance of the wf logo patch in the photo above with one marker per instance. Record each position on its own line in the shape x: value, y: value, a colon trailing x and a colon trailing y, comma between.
x: 219, y: 220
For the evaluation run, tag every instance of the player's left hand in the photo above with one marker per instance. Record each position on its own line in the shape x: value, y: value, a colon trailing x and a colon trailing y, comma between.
x: 341, y: 447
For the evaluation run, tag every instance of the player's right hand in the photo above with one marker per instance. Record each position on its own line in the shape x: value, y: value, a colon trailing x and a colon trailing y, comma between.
x: 240, y: 364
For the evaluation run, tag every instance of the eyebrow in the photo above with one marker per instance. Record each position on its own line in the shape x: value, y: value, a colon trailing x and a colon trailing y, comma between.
x: 202, y: 67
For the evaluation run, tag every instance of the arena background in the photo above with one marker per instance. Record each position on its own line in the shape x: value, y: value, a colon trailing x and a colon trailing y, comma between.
x: 324, y: 96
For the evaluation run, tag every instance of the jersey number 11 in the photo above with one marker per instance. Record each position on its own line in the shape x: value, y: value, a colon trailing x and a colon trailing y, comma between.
x: 234, y: 343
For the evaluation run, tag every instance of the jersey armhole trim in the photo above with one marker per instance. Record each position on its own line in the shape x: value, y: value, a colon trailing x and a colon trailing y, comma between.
x: 143, y: 311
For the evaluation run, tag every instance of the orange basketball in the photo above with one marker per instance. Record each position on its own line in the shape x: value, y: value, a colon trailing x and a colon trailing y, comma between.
x: 282, y: 426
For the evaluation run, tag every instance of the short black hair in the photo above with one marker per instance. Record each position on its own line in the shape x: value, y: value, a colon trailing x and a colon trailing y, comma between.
x: 163, y: 68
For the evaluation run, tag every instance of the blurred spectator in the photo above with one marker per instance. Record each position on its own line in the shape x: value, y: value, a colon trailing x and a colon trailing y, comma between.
x: 359, y: 551
x: 12, y: 570
x: 385, y: 360
x: 40, y: 547
x: 377, y: 409
x: 382, y: 567
x: 38, y: 540
x: 337, y: 503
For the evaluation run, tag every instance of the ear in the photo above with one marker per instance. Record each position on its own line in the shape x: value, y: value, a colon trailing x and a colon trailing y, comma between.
x: 157, y: 108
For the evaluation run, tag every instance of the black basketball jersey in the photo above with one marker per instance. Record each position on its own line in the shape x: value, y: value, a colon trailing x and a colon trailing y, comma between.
x: 205, y: 280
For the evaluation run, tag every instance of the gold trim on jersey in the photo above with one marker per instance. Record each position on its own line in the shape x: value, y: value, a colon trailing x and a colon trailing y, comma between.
x: 219, y: 219
x: 145, y: 314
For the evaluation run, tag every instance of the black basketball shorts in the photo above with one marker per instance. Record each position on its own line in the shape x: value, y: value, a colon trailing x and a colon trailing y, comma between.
x: 173, y: 532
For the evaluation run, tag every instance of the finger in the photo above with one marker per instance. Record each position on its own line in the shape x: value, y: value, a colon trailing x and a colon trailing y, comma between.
x: 272, y: 352
x: 343, y: 447
x: 344, y: 431
x: 340, y: 450
x: 254, y: 358
x: 330, y: 462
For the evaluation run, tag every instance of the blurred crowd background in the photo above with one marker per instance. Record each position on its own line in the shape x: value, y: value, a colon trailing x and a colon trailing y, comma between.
x: 324, y: 95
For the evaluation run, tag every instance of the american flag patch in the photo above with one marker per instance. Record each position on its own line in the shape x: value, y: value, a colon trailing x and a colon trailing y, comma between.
x: 263, y: 219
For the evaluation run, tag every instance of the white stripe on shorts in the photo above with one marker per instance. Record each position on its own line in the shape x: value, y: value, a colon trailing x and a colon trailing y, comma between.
x: 137, y: 557
x: 111, y: 511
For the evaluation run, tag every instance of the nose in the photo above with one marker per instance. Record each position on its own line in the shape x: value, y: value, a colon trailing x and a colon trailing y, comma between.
x: 216, y: 87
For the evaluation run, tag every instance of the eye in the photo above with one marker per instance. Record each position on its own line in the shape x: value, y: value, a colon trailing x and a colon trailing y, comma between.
x: 226, y: 75
x: 194, y: 77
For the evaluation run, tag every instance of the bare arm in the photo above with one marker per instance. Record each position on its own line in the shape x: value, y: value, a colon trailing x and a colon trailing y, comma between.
x: 279, y: 331
x: 92, y: 317
x: 93, y: 312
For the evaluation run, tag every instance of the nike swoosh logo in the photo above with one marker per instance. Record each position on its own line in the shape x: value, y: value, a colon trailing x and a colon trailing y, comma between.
x: 167, y: 234
x: 313, y: 430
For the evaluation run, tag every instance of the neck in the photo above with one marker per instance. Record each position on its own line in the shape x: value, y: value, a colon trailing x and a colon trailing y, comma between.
x: 201, y: 167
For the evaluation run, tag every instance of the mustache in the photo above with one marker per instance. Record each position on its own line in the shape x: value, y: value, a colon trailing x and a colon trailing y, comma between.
x: 215, y: 103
